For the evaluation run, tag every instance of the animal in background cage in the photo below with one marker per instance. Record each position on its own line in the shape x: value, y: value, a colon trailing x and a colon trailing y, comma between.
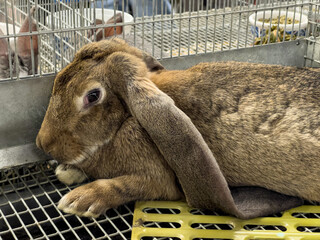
x: 253, y: 126
x: 25, y: 54
x: 109, y: 32
x: 192, y: 27
x: 99, y: 34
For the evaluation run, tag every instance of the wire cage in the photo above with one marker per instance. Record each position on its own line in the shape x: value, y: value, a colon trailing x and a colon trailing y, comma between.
x: 178, y: 32
x: 312, y: 55
x: 183, y: 29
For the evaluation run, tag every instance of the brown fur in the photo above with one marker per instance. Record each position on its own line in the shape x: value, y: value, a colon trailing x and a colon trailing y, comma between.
x: 267, y: 117
x: 108, y: 31
x: 261, y: 122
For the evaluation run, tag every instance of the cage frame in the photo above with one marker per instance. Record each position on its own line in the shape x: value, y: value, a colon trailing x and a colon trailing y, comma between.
x: 17, y: 148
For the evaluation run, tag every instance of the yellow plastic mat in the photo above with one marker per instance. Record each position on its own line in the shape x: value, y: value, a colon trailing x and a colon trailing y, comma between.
x: 164, y: 220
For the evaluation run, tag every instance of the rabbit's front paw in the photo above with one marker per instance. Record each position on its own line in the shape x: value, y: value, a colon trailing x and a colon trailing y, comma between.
x: 86, y: 201
x: 69, y: 175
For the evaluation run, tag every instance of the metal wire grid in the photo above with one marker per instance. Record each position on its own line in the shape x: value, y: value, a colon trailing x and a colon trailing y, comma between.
x: 58, y: 44
x: 204, y: 30
x: 198, y: 33
x: 28, y: 209
x: 191, y: 33
x: 313, y: 53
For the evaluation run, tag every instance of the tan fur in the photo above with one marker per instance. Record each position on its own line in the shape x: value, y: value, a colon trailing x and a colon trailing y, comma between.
x: 261, y: 122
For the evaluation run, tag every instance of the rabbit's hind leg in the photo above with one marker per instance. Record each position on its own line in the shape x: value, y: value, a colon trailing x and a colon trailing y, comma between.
x: 69, y: 174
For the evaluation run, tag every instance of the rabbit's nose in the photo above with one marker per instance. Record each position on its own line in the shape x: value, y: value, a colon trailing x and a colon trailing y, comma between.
x: 44, y: 142
x: 38, y: 142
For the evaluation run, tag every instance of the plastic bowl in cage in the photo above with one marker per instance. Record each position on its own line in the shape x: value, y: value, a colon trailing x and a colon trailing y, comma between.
x: 259, y: 27
x: 73, y: 19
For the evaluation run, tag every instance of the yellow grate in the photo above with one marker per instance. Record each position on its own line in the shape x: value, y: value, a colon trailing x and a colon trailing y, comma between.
x: 175, y: 220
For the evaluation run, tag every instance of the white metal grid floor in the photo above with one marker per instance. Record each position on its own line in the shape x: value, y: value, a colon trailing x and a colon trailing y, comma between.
x: 28, y: 209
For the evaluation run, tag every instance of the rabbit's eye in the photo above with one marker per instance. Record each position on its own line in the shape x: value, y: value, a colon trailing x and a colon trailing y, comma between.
x: 92, y: 97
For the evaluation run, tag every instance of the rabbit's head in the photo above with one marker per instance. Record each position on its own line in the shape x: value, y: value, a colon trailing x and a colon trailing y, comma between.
x: 83, y: 112
x: 24, y: 52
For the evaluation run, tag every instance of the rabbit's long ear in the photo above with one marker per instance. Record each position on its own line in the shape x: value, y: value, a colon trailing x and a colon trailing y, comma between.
x: 182, y: 145
x: 178, y: 140
x: 24, y: 45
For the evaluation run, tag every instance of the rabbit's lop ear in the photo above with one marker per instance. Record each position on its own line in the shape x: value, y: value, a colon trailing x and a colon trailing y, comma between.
x: 25, y: 45
x: 183, y: 146
x: 176, y: 137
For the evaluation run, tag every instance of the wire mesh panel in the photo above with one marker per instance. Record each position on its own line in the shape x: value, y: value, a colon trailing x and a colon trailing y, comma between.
x: 313, y: 53
x: 28, y: 209
x: 164, y: 28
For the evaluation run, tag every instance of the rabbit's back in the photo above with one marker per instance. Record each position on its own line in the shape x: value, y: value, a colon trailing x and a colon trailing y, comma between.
x: 261, y: 122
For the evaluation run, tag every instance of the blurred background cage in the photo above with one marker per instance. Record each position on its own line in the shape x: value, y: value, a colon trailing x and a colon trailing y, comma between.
x: 180, y: 33
x: 165, y: 28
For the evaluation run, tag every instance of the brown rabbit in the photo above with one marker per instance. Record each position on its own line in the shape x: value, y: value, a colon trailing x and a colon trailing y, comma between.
x: 108, y: 31
x: 147, y: 133
x: 130, y: 38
